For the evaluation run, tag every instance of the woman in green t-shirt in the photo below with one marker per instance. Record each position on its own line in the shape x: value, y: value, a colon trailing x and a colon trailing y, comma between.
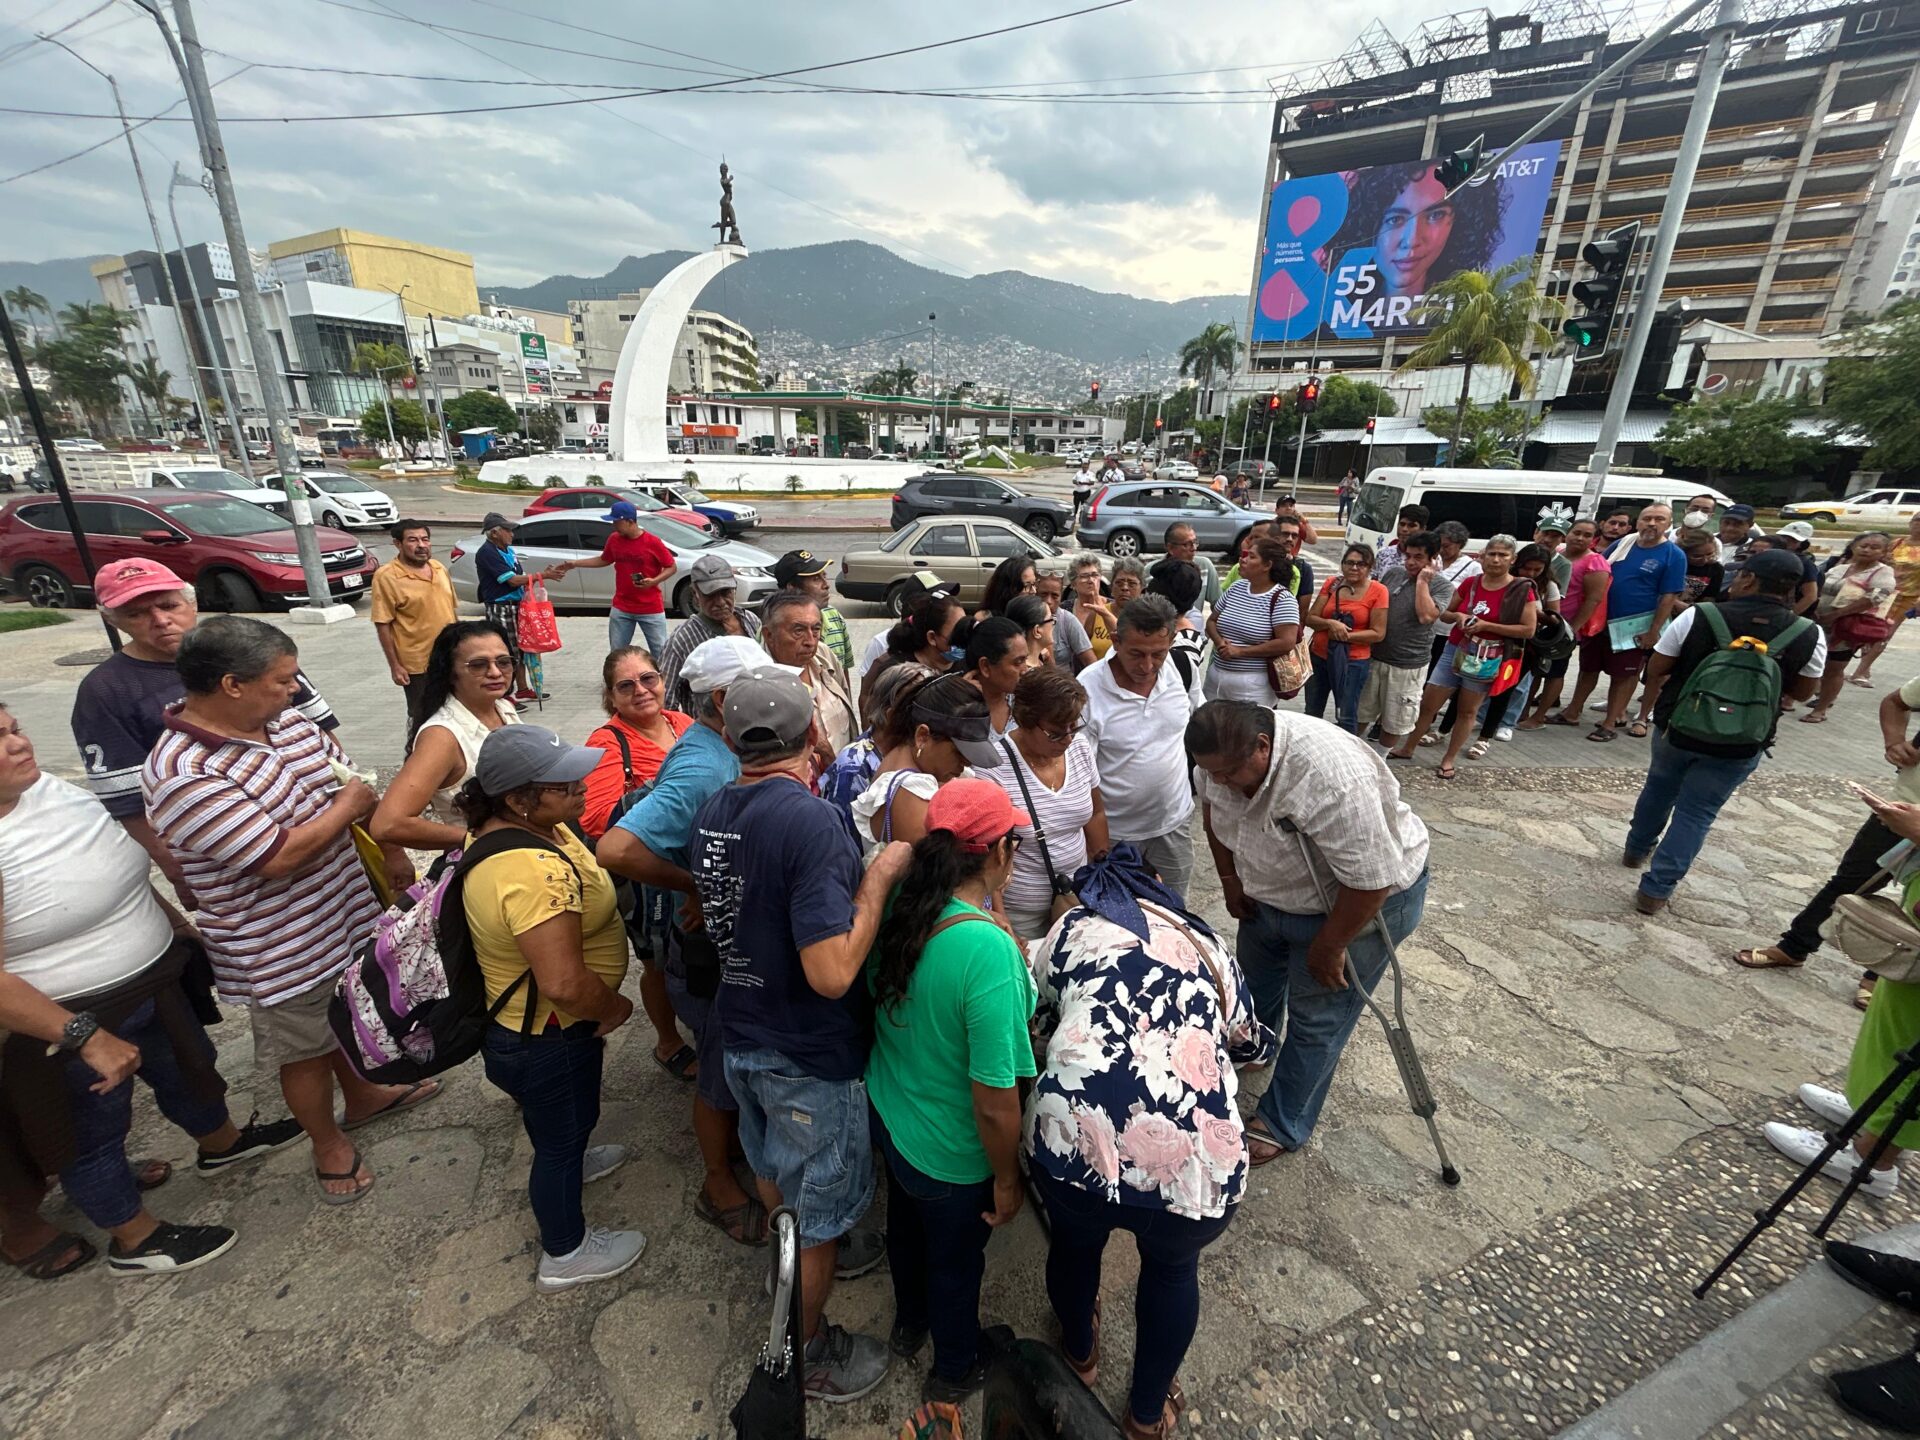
x: 950, y: 1047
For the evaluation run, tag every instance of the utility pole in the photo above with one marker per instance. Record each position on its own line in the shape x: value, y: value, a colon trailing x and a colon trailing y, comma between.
x: 206, y: 336
x: 279, y: 421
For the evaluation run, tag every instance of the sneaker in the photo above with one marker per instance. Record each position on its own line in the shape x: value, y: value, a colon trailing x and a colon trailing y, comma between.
x: 171, y: 1249
x: 842, y: 1366
x: 860, y: 1251
x: 906, y: 1340
x: 1805, y: 1146
x: 601, y: 1256
x: 1893, y: 1278
x: 255, y: 1140
x: 521, y: 695
x: 601, y: 1161
x: 1887, y: 1394
x: 1830, y: 1105
x: 1503, y: 734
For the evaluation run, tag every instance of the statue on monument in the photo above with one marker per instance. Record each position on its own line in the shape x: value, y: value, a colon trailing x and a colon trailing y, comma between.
x: 729, y: 224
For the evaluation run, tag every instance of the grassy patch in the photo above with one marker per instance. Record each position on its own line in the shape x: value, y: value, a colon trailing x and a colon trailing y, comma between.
x: 22, y: 617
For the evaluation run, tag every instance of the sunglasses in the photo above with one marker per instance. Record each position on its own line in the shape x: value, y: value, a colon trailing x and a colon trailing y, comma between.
x: 502, y: 663
x: 650, y: 681
x: 1061, y: 737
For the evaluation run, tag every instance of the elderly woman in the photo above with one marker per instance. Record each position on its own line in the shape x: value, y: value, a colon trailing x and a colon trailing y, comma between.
x: 1089, y: 607
x: 1904, y: 557
x: 1072, y: 646
x: 1030, y: 613
x: 1855, y: 595
x: 1048, y: 771
x: 552, y: 953
x: 91, y: 993
x: 950, y: 1047
x: 1132, y: 1124
x: 465, y: 701
x: 995, y: 659
x: 1256, y: 622
x: 927, y: 726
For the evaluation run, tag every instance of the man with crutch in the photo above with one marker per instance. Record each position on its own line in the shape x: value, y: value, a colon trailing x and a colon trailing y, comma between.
x: 1318, y: 856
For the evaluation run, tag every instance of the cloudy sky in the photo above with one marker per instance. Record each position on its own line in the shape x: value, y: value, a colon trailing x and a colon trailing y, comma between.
x: 1152, y: 199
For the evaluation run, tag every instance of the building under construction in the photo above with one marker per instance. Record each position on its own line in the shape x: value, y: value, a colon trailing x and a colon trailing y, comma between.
x: 1817, y: 103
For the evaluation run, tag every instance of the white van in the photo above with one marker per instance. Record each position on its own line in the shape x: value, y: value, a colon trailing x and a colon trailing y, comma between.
x: 1499, y: 502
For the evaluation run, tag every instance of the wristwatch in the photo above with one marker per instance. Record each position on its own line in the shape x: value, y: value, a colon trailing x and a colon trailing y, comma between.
x: 77, y: 1032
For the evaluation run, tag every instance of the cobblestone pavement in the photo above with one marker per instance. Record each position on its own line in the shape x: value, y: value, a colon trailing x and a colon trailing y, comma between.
x: 1601, y: 1078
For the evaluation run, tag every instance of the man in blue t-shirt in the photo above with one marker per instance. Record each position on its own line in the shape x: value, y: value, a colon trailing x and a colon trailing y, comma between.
x: 501, y: 584
x: 780, y: 888
x: 1649, y: 577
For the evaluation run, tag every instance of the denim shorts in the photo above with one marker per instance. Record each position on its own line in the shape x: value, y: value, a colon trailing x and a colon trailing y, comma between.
x: 1448, y: 678
x: 807, y: 1136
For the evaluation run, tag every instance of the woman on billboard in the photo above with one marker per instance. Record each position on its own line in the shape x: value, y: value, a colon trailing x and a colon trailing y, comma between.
x: 1418, y: 235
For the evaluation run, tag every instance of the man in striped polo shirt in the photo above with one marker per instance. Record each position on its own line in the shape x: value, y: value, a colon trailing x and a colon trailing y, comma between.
x: 241, y: 788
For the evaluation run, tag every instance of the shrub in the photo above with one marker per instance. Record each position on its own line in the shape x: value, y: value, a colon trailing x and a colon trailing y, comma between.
x: 595, y: 480
x: 793, y: 484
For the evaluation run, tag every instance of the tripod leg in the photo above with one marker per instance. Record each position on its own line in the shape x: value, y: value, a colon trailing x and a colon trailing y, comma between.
x: 1904, y: 1112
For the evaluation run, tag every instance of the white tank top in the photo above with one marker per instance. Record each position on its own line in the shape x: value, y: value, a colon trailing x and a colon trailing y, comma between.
x: 469, y: 731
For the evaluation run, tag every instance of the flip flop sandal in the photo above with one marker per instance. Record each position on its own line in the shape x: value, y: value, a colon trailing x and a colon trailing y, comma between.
x: 1428, y: 739
x: 151, y: 1174
x: 1393, y: 756
x: 1638, y: 729
x: 1444, y: 772
x: 46, y: 1263
x: 1478, y: 750
x: 1814, y: 717
x: 1863, y: 997
x: 1758, y: 959
x: 1560, y: 717
x: 1264, y: 1140
x: 418, y: 1093
x: 352, y: 1172
x: 1087, y: 1370
x: 1864, y: 682
x: 1600, y: 735
x: 679, y: 1064
x: 744, y: 1224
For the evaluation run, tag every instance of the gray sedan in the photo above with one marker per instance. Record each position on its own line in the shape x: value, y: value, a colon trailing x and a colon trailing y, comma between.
x: 545, y: 540
x: 1132, y: 519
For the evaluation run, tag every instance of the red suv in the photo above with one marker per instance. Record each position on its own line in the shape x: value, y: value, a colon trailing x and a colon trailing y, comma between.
x: 595, y: 498
x: 236, y: 555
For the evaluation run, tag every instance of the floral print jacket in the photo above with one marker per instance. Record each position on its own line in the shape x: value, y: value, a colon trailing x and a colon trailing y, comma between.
x: 1135, y: 1100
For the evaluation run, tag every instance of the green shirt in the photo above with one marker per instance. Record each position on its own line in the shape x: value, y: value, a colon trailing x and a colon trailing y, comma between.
x: 963, y: 1021
x: 833, y: 635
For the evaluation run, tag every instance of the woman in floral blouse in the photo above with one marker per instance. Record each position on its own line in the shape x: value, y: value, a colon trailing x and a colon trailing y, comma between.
x: 1132, y: 1123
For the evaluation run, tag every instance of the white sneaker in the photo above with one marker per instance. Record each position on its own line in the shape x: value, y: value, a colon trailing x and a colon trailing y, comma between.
x: 1804, y: 1146
x: 1503, y: 734
x: 601, y: 1256
x: 601, y: 1161
x: 1829, y: 1105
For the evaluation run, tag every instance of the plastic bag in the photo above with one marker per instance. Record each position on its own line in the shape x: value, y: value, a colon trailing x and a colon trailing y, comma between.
x: 539, y: 629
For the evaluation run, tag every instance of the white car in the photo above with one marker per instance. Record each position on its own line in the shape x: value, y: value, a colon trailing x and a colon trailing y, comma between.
x: 343, y: 501
x: 1873, y: 507
x: 731, y: 516
x: 1177, y: 470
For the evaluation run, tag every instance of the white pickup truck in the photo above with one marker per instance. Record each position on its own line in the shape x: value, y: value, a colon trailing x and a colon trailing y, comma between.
x: 161, y: 470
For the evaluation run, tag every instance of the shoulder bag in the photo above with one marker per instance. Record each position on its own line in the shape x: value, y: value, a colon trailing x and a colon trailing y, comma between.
x: 1063, y: 897
x: 1878, y: 933
x: 1206, y: 958
x: 1287, y: 673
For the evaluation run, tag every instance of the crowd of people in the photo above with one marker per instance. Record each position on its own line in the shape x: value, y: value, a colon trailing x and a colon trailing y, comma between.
x: 919, y: 918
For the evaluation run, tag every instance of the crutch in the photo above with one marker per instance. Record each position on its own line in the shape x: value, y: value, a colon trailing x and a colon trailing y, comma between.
x: 1399, y: 1039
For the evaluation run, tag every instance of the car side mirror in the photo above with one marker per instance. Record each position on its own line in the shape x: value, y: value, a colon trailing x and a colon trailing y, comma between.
x: 161, y: 537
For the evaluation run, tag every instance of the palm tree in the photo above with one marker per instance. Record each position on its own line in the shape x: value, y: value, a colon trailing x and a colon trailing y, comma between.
x: 26, y: 302
x: 1481, y: 319
x: 378, y: 357
x: 1214, y: 348
x: 152, y: 384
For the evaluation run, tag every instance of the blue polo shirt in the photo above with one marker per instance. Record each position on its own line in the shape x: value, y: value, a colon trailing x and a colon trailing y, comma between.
x: 697, y: 767
x: 1644, y: 573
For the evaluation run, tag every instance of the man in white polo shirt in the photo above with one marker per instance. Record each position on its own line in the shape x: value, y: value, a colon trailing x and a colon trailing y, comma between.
x: 1136, y: 720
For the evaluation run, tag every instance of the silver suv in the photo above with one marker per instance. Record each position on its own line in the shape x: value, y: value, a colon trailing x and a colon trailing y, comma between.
x: 1132, y: 519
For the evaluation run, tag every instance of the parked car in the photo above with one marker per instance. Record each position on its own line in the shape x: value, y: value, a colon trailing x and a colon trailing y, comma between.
x: 237, y: 556
x: 731, y: 516
x: 1872, y: 507
x: 962, y: 550
x: 547, y: 539
x: 1176, y: 470
x: 1260, y: 472
x: 938, y: 493
x: 339, y: 499
x: 598, y: 497
x: 1132, y: 519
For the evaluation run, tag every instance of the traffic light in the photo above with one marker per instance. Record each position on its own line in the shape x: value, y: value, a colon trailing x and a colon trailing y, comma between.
x: 1273, y: 404
x: 1452, y: 170
x: 1158, y: 424
x: 1308, y: 396
x: 1096, y: 392
x: 1611, y: 258
x: 1370, y: 425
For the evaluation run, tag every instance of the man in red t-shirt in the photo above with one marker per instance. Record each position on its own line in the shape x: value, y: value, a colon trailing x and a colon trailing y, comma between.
x: 641, y: 564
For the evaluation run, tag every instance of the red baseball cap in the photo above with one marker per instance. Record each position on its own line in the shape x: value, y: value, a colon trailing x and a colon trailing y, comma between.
x: 978, y: 813
x: 123, y: 580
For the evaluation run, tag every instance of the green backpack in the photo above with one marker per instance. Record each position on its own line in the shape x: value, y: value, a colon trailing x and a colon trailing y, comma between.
x: 1732, y: 698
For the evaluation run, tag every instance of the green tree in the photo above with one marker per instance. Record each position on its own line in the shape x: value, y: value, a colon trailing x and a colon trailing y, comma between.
x: 1870, y: 388
x: 152, y: 384
x: 1213, y: 349
x: 1346, y: 404
x: 390, y: 363
x: 26, y: 302
x: 86, y: 363
x: 1733, y: 434
x: 1491, y: 437
x: 480, y: 407
x: 1485, y: 320
x: 409, y: 421
x: 894, y: 380
x: 543, y: 426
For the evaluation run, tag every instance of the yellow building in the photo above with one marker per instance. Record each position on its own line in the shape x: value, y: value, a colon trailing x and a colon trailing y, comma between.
x: 430, y: 280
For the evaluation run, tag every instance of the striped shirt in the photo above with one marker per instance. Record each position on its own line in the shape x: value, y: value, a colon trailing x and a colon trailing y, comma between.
x: 1245, y: 618
x: 688, y: 636
x: 224, y: 807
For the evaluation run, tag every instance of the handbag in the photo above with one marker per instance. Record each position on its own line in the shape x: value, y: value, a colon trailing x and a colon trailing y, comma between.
x: 1856, y: 632
x: 1287, y: 673
x: 539, y: 629
x: 1063, y: 897
x: 1877, y: 933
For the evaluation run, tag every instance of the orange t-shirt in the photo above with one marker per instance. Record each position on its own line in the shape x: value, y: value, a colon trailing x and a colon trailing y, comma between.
x: 608, y: 782
x: 1358, y: 615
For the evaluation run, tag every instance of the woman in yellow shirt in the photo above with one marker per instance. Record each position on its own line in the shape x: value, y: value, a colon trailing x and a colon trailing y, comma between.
x: 553, y: 952
x: 1905, y: 559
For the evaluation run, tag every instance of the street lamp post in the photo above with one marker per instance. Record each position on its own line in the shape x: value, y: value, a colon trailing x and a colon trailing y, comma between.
x: 200, y: 326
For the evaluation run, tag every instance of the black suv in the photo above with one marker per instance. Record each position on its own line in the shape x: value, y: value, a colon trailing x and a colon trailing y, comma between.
x: 938, y: 493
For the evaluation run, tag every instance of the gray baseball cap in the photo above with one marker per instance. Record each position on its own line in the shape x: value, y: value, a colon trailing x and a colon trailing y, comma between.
x: 517, y: 755
x: 711, y: 575
x: 767, y: 711
x: 495, y: 521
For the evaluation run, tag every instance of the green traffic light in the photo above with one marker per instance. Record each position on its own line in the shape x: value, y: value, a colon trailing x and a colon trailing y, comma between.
x: 1581, y: 335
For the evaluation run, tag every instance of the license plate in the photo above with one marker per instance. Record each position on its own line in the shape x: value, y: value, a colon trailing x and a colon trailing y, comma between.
x: 350, y: 582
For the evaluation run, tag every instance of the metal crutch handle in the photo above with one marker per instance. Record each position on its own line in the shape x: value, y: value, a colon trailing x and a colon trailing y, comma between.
x: 786, y: 1274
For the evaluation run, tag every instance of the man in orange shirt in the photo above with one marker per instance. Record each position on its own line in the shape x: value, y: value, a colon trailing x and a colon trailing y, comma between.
x: 413, y: 602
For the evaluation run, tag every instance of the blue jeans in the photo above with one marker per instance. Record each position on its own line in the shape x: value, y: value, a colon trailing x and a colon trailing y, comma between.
x: 1166, y: 1298
x: 1272, y: 949
x: 1682, y: 795
x: 98, y: 1179
x: 937, y: 1251
x: 555, y: 1075
x: 1342, y: 681
x: 653, y: 630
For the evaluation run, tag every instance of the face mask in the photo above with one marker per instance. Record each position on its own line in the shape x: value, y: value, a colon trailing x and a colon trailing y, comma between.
x: 955, y: 655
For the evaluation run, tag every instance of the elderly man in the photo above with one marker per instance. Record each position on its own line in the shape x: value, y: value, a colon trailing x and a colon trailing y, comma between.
x: 501, y: 583
x: 1136, y: 713
x: 1270, y: 780
x: 242, y: 790
x: 119, y: 710
x: 1183, y: 544
x: 1416, y: 594
x: 413, y: 602
x: 805, y: 572
x: 791, y: 633
x: 641, y: 563
x: 715, y: 593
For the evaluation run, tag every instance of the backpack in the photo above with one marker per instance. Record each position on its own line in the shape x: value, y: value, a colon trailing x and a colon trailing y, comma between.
x: 1732, y: 698
x: 412, y: 1001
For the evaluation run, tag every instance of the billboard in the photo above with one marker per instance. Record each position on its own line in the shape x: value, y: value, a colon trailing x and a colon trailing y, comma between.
x: 1351, y: 254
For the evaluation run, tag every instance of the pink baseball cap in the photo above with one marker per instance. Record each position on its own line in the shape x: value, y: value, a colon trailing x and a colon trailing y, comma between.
x: 123, y: 580
x: 978, y: 812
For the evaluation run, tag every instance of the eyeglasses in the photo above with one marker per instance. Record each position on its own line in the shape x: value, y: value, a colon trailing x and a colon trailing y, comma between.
x: 1032, y: 587
x: 570, y: 787
x: 484, y: 663
x: 1061, y: 737
x: 649, y: 681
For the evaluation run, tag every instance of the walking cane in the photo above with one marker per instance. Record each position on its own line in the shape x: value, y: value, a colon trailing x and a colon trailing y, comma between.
x: 1399, y: 1039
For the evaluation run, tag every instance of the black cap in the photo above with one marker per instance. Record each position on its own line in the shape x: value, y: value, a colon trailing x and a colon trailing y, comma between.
x: 1777, y: 566
x: 795, y: 564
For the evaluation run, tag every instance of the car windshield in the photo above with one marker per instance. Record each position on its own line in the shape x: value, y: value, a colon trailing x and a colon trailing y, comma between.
x: 221, y: 517
x: 695, y: 497
x: 336, y: 484
x: 1378, y: 507
x: 212, y: 480
x: 678, y: 536
x: 899, y: 537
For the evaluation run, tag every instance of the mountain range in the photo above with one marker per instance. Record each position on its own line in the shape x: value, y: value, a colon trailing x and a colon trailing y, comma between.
x: 63, y: 282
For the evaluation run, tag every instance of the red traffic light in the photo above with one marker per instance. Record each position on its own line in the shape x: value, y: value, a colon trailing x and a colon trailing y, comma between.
x: 1158, y: 423
x: 1370, y: 425
x: 1096, y: 389
x: 1273, y: 403
x: 1308, y: 396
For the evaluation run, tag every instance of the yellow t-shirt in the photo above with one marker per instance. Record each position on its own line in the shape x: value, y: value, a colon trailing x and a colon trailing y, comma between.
x: 510, y: 894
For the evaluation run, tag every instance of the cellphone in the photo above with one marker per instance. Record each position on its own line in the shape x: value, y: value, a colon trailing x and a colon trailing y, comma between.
x: 1866, y: 794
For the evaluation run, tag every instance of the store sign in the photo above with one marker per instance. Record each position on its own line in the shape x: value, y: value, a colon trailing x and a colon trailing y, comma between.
x: 533, y: 346
x: 716, y: 432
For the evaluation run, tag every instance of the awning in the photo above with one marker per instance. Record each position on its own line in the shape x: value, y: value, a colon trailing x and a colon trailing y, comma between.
x: 1387, y: 430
